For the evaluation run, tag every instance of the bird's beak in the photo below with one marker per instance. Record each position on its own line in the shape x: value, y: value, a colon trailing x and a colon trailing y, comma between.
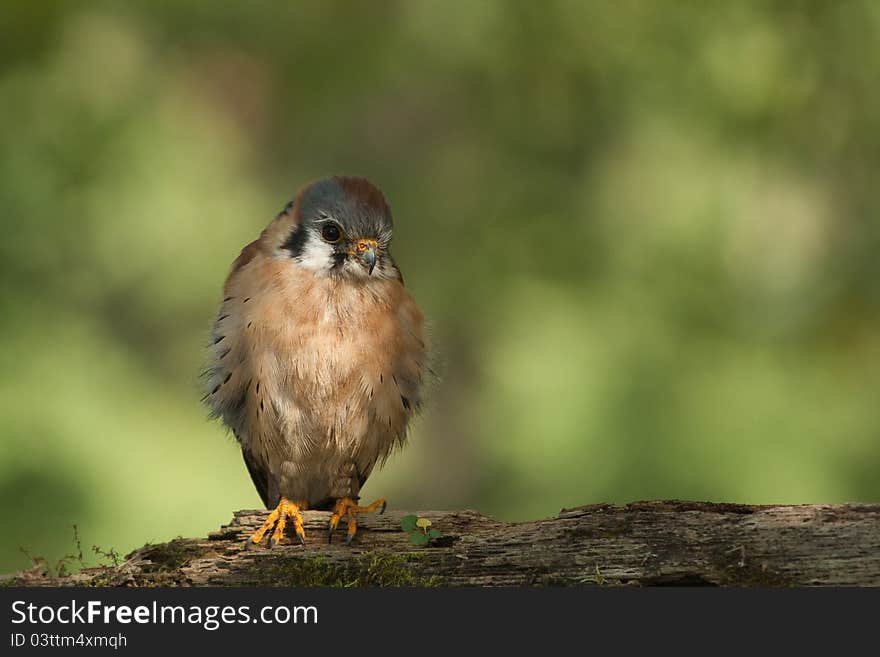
x: 366, y: 249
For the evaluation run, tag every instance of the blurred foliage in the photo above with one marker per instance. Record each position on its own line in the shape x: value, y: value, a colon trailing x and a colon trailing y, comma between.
x: 646, y: 234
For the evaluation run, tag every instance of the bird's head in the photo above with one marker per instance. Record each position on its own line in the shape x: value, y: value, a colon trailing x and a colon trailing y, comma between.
x: 339, y: 226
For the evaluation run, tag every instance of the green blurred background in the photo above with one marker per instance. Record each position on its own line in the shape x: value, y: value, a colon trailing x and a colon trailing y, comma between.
x: 646, y: 235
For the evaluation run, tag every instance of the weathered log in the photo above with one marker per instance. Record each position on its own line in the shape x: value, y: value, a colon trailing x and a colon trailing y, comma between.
x: 644, y: 543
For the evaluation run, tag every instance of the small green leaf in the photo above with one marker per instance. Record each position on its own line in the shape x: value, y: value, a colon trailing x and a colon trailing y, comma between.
x: 408, y: 523
x: 435, y: 533
x: 418, y: 538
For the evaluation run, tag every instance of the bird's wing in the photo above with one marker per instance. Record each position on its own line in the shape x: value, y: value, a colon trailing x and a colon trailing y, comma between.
x: 227, y: 384
x: 229, y: 379
x: 247, y: 254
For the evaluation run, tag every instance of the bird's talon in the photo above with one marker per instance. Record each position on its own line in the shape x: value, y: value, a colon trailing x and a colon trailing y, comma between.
x: 278, y: 519
x: 347, y: 507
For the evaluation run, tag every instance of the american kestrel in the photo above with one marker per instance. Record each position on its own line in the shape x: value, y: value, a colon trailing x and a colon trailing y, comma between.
x: 318, y: 354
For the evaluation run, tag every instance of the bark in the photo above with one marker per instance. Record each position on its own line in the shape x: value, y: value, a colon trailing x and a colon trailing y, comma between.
x: 645, y: 543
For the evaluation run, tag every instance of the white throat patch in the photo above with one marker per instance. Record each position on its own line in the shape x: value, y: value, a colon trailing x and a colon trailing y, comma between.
x: 317, y: 255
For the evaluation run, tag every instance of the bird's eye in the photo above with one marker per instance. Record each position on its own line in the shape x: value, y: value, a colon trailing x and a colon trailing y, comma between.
x: 331, y: 233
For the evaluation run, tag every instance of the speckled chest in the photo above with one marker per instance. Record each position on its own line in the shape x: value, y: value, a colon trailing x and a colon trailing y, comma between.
x: 332, y: 365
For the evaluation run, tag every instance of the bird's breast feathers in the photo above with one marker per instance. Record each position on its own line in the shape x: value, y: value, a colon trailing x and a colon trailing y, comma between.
x: 302, y: 362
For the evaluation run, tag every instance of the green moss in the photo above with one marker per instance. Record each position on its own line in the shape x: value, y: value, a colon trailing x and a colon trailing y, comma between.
x: 161, y: 564
x: 170, y: 556
x: 102, y: 581
x: 366, y: 570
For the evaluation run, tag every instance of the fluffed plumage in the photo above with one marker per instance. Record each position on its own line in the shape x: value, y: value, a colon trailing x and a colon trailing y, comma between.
x: 318, y: 353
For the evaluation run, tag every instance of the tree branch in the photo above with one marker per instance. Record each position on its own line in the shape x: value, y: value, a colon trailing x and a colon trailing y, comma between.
x: 645, y: 543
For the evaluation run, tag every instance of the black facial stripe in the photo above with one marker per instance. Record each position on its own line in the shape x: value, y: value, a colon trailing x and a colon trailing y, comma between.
x: 296, y: 241
x: 338, y: 260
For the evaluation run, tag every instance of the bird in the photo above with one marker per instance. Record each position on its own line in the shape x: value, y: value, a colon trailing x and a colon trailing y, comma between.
x: 318, y: 355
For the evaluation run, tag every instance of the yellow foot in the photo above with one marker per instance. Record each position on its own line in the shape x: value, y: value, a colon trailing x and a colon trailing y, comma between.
x: 278, y: 519
x: 346, y: 506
